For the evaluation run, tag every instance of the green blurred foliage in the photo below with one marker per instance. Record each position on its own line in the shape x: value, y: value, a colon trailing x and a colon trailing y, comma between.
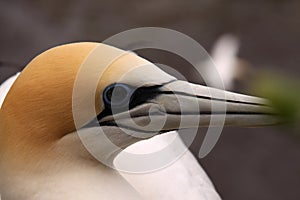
x: 283, y: 92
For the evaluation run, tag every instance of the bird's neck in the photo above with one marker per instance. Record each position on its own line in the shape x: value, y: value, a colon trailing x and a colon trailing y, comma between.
x: 77, y: 182
x: 61, y: 170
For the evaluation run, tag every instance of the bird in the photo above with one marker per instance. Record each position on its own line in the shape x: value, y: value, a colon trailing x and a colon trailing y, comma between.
x: 47, y: 152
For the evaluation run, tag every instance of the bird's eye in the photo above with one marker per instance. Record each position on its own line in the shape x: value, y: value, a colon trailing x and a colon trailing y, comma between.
x: 117, y: 95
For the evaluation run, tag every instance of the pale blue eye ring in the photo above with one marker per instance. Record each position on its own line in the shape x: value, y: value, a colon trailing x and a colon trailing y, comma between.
x: 117, y: 95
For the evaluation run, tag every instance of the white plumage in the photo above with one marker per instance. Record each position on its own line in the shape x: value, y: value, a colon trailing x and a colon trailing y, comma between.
x: 5, y: 86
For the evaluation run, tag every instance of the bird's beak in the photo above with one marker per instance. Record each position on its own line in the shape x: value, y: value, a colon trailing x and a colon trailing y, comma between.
x: 180, y: 104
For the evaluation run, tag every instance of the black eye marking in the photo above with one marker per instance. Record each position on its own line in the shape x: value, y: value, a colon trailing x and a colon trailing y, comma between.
x: 119, y: 97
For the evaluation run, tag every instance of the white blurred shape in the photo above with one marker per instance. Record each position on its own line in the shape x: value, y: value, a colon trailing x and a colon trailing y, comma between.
x: 224, y: 55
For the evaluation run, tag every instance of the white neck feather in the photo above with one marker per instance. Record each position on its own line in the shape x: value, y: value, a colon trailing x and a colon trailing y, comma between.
x: 5, y: 87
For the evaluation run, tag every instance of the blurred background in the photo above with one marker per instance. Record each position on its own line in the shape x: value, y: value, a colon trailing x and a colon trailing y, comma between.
x: 256, y: 163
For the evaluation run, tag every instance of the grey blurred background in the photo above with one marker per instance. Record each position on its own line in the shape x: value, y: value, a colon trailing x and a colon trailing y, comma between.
x: 257, y: 163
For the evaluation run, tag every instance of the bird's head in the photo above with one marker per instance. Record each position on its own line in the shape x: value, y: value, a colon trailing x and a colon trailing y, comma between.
x: 51, y: 100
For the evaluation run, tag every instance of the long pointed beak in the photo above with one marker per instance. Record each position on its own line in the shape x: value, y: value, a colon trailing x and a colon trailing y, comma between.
x: 180, y: 104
